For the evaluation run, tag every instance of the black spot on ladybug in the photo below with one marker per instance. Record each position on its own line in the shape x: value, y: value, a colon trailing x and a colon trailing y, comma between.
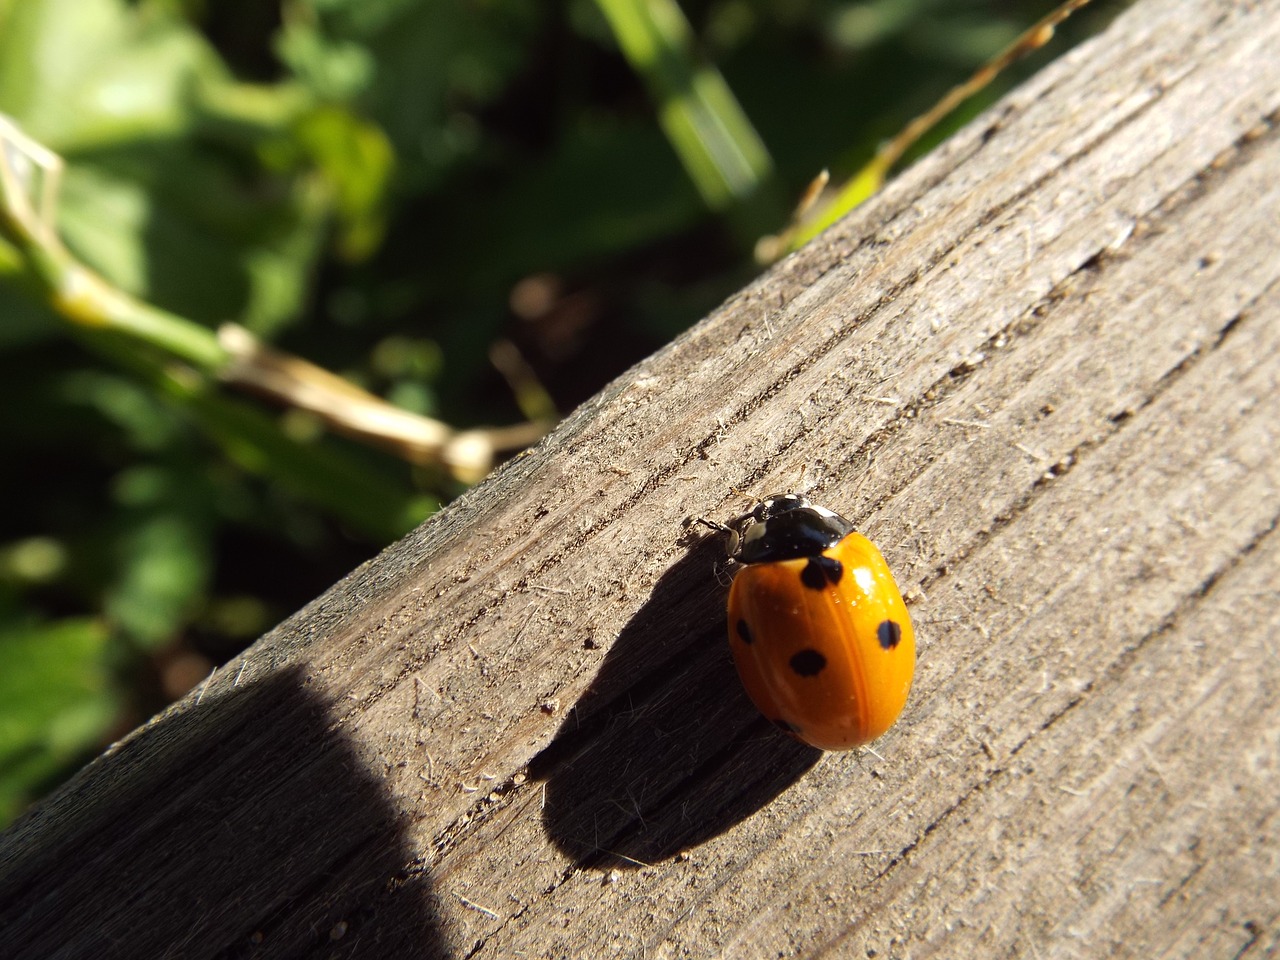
x: 820, y: 571
x: 888, y: 633
x: 745, y: 632
x: 808, y: 663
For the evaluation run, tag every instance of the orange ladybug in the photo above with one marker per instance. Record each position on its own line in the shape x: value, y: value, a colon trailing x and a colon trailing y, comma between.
x: 817, y: 626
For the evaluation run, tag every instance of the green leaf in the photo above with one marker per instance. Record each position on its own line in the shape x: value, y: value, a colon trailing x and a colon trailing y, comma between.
x: 79, y: 72
x: 419, y: 69
x: 124, y: 403
x: 57, y: 703
x: 357, y: 160
x: 163, y: 553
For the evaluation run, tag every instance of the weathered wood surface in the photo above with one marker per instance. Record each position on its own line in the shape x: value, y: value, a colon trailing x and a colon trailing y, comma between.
x: 1041, y: 371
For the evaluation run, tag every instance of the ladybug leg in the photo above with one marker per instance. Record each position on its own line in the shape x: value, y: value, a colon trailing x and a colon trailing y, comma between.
x: 714, y: 525
x: 731, y: 536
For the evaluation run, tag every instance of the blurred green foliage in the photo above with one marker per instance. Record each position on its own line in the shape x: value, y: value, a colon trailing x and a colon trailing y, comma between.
x: 388, y: 188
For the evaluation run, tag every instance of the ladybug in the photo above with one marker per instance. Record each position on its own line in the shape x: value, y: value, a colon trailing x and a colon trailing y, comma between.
x: 817, y: 626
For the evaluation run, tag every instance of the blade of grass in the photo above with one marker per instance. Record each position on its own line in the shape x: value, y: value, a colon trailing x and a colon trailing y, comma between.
x: 720, y: 149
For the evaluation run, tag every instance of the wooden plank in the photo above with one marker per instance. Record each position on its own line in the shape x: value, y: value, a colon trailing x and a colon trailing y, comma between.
x: 1042, y: 371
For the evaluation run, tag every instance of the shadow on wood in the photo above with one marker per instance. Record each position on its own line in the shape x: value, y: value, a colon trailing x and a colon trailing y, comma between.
x: 215, y: 874
x: 643, y: 768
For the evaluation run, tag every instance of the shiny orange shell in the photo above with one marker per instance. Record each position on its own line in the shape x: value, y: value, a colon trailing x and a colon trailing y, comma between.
x: 823, y: 644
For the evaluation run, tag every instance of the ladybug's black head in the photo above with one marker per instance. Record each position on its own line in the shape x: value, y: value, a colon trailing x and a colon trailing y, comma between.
x: 784, y: 526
